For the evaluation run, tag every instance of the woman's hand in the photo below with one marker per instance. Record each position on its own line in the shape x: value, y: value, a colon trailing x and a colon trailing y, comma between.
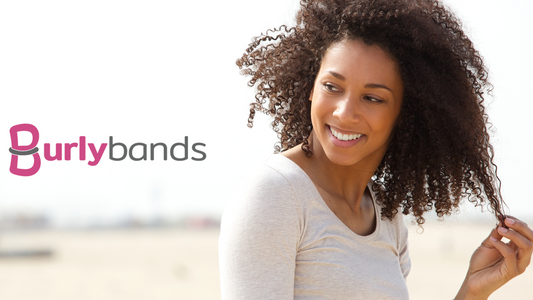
x: 494, y: 263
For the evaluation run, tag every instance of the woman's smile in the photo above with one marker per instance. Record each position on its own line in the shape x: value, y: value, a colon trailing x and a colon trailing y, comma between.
x: 344, y: 140
x: 345, y: 136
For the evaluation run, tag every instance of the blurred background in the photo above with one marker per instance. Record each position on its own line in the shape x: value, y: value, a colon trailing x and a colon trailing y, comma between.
x: 160, y: 71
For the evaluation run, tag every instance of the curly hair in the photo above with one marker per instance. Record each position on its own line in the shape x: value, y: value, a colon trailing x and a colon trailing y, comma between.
x: 440, y: 151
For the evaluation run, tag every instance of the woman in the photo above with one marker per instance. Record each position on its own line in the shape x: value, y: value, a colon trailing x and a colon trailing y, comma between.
x: 379, y: 108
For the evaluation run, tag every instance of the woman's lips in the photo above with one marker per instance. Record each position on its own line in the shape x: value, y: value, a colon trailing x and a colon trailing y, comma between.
x: 343, y: 140
x: 345, y: 137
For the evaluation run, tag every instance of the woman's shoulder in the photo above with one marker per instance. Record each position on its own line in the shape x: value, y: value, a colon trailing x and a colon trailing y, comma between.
x: 265, y: 197
x: 276, y: 174
x: 271, y: 185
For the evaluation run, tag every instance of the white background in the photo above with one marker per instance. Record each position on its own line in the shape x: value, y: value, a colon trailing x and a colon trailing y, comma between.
x: 156, y: 71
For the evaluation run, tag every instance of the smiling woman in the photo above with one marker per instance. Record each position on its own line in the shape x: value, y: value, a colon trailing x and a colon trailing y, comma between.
x: 379, y: 109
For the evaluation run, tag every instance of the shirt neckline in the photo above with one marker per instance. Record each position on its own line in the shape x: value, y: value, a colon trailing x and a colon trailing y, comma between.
x: 285, y: 160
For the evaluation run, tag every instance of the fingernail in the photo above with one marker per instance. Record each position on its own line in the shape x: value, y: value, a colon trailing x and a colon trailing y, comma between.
x: 509, y: 221
x: 493, y: 238
x: 503, y: 229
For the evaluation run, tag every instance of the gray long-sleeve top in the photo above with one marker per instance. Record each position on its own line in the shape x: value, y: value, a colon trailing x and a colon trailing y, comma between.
x: 279, y: 240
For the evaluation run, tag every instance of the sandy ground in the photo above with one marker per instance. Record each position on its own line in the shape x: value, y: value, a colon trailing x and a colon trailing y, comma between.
x: 180, y: 264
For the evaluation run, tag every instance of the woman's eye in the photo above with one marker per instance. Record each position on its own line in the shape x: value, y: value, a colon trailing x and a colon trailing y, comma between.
x: 331, y: 87
x: 373, y: 99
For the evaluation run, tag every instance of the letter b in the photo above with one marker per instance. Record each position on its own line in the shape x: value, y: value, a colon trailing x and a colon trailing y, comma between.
x: 17, y: 150
x: 111, y: 146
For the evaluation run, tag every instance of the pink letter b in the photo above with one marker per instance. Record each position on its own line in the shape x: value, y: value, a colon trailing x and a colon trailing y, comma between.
x: 17, y: 150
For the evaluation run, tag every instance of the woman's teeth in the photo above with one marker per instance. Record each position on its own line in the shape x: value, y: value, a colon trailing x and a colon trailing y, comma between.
x: 345, y: 137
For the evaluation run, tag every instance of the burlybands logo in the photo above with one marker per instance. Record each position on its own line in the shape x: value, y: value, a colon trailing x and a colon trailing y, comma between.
x: 32, y: 150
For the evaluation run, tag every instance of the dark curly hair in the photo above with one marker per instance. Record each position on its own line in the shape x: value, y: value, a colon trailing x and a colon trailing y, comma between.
x: 440, y: 150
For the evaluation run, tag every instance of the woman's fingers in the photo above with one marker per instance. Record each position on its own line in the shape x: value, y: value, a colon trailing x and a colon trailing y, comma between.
x: 496, y: 234
x: 493, y: 234
x: 520, y: 245
x: 510, y: 262
x: 523, y: 245
x: 519, y: 226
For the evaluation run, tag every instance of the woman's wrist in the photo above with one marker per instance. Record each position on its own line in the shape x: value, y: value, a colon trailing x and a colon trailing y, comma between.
x: 465, y: 294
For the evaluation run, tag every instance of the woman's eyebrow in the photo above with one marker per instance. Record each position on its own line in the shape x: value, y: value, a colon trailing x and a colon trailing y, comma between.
x: 337, y: 75
x: 377, y: 86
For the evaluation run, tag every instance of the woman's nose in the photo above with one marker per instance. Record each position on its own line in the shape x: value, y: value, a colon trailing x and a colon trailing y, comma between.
x: 348, y: 111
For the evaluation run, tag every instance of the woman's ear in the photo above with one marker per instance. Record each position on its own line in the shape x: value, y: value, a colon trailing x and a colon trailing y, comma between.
x: 311, y: 94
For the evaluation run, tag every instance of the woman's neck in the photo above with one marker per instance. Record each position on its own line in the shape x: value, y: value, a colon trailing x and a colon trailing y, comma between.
x: 343, y: 188
x: 347, y: 183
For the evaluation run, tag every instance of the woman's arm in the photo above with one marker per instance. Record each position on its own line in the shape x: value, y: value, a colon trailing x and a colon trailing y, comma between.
x: 494, y: 263
x: 259, y: 237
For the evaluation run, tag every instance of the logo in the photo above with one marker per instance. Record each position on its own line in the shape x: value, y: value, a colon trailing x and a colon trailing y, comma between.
x: 64, y: 151
x: 22, y: 150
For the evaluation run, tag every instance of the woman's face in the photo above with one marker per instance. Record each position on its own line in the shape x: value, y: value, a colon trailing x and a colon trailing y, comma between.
x: 356, y: 101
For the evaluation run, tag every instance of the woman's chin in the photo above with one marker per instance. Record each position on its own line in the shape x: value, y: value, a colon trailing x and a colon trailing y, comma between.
x: 341, y: 159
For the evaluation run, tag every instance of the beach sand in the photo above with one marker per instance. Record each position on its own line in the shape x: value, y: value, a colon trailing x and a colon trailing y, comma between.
x: 183, y: 264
